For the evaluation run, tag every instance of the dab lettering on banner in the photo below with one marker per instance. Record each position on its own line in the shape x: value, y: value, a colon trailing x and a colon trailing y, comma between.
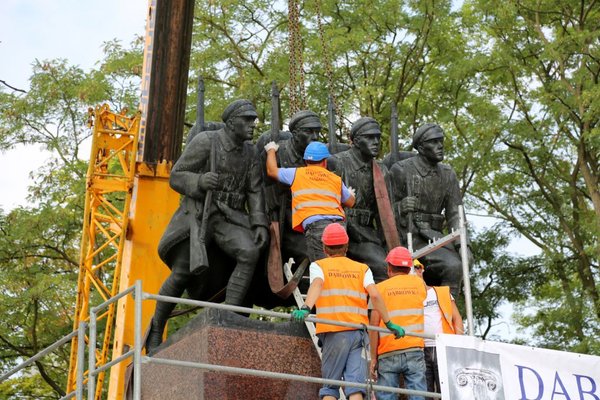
x: 534, y: 387
x: 471, y: 368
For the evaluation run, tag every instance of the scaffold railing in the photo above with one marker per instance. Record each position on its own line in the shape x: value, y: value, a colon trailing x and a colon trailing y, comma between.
x: 94, y: 370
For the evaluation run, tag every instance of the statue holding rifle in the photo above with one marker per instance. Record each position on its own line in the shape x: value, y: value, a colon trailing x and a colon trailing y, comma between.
x: 222, y: 206
x: 426, y: 199
x: 359, y: 169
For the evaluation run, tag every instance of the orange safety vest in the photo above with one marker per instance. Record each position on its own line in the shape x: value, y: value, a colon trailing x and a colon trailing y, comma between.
x: 315, y: 191
x: 343, y: 297
x: 445, y: 303
x: 403, y: 296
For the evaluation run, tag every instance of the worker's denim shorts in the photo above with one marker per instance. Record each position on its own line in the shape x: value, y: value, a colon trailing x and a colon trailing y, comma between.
x: 343, y: 356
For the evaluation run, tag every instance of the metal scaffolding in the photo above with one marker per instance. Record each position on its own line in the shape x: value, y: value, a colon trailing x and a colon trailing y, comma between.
x: 95, y: 369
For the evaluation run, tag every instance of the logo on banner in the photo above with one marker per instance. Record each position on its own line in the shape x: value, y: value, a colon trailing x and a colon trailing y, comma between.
x: 474, y: 374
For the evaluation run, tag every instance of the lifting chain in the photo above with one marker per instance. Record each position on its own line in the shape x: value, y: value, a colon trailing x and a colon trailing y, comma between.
x: 327, y: 60
x: 297, y: 94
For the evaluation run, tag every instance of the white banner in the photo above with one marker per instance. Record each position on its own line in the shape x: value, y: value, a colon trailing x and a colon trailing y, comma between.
x: 475, y: 369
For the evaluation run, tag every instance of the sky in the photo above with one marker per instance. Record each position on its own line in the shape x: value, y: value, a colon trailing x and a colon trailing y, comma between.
x: 48, y: 29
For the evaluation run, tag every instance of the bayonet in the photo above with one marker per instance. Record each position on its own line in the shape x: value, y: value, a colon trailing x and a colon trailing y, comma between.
x: 275, y: 121
x: 394, y: 132
x: 331, y: 125
x: 200, y: 105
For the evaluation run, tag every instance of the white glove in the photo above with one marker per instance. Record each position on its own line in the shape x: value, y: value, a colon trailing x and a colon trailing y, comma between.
x: 271, y: 146
x: 352, y: 191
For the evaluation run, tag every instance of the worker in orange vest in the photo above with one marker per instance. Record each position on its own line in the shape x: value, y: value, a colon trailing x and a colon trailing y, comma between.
x: 403, y: 295
x: 441, y: 316
x: 317, y: 194
x: 339, y: 288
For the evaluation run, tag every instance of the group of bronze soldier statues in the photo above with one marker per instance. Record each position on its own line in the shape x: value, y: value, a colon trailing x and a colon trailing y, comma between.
x: 224, y: 167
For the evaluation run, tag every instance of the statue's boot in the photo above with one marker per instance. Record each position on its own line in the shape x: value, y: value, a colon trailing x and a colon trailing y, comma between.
x: 157, y: 325
x: 173, y: 287
x: 238, y: 284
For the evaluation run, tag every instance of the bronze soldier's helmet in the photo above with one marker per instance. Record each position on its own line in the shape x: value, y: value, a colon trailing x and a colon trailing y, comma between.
x: 239, y: 108
x: 427, y: 132
x: 305, y: 119
x: 365, y: 126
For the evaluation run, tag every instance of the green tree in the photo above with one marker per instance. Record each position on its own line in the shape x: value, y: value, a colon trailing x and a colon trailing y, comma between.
x: 39, y: 244
x: 539, y: 66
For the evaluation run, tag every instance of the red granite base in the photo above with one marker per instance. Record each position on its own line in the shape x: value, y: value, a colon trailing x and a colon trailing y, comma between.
x: 226, y: 338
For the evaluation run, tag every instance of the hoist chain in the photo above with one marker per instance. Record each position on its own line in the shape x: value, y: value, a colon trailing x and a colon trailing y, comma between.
x: 297, y: 94
x: 327, y: 59
x: 292, y: 57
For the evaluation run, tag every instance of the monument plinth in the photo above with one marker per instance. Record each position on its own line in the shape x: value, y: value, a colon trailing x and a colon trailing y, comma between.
x: 226, y: 338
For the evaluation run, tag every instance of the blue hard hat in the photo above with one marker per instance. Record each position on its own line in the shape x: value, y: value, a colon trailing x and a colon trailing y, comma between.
x: 316, y: 151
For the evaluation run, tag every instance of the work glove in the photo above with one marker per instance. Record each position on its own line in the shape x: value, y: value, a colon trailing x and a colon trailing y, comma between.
x: 352, y: 191
x: 397, y: 330
x: 271, y: 146
x: 408, y: 204
x: 208, y: 181
x: 301, y: 314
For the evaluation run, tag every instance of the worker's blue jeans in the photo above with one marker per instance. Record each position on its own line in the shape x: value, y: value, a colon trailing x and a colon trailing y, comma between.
x: 313, y: 233
x: 410, y: 364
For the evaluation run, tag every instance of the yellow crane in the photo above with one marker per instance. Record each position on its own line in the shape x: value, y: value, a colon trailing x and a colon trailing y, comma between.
x: 128, y: 198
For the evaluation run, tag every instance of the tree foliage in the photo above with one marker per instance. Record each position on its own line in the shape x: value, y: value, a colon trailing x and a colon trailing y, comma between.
x: 39, y: 244
x: 540, y: 67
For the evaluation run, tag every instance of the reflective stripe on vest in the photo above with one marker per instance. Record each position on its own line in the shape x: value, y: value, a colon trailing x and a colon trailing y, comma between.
x: 315, y: 191
x: 445, y: 303
x: 343, y: 297
x: 403, y: 296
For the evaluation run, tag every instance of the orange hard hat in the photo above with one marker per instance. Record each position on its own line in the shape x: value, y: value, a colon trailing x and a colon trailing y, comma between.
x: 400, y: 257
x: 334, y: 235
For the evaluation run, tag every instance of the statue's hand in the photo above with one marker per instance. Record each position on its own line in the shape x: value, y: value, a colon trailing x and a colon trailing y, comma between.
x: 209, y: 181
x: 408, y: 204
x: 261, y: 235
x: 271, y: 146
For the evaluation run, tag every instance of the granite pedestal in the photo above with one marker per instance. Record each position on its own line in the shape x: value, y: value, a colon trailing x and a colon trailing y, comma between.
x: 226, y: 338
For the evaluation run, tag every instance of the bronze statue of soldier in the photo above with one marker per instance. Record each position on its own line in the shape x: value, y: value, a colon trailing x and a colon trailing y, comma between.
x: 426, y: 199
x: 355, y: 166
x: 235, y: 224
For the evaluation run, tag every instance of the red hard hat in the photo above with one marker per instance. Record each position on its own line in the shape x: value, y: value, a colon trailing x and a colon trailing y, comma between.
x: 400, y: 257
x: 334, y: 235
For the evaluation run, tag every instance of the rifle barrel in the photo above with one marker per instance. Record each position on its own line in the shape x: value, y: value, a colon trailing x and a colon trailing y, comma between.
x: 200, y: 104
x: 275, y: 121
x: 331, y: 125
x: 394, y: 131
